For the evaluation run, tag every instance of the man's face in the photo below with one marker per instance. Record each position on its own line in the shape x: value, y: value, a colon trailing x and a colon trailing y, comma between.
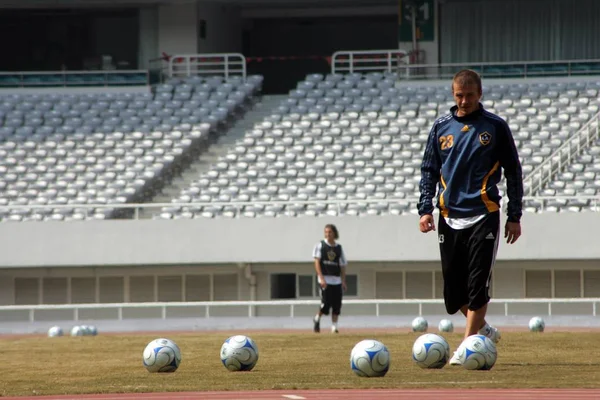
x: 329, y: 235
x: 466, y: 98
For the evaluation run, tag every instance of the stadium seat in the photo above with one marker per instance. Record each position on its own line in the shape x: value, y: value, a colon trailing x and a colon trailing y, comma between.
x: 361, y: 137
x: 104, y: 148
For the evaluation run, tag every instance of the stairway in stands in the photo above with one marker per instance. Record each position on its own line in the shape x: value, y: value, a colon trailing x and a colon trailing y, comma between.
x: 218, y: 146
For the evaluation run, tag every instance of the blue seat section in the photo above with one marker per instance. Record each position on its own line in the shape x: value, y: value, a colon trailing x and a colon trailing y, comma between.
x: 107, y: 147
x: 60, y: 79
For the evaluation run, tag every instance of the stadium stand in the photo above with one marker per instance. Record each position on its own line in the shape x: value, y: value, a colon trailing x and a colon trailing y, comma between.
x: 107, y: 148
x: 343, y: 143
x: 358, y: 139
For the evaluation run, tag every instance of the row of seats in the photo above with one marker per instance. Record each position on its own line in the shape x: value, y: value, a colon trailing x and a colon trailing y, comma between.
x: 101, y: 148
x: 355, y: 138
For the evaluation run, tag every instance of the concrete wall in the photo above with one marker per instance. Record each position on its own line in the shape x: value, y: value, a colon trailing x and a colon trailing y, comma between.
x: 148, y: 37
x: 377, y: 280
x: 223, y: 28
x: 178, y: 28
x: 568, y: 236
x: 429, y: 47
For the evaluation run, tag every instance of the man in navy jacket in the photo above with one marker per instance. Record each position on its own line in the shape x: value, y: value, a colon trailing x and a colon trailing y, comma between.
x: 464, y: 158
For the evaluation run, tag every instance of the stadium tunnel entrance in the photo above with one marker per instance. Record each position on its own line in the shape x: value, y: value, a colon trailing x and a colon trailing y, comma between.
x: 285, y: 50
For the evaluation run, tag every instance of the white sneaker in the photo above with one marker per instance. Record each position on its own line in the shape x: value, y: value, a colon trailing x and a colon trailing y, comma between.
x: 334, y: 329
x: 455, y: 360
x: 490, y: 332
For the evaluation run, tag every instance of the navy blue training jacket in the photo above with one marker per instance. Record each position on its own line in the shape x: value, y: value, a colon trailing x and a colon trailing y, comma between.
x: 464, y: 158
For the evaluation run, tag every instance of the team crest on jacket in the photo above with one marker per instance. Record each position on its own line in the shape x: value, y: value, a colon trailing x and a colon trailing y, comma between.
x: 331, y: 255
x: 485, y: 138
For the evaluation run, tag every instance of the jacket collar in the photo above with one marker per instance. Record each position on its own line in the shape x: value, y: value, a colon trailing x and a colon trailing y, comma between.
x: 474, y: 115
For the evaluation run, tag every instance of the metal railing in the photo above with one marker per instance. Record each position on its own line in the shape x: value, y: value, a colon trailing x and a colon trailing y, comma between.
x: 73, y: 78
x: 563, y: 155
x: 509, y: 307
x: 542, y: 203
x: 512, y: 69
x: 221, y: 64
x: 368, y: 61
x: 593, y: 202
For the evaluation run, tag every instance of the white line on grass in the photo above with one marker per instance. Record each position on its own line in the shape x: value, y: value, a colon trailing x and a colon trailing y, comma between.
x: 293, y: 397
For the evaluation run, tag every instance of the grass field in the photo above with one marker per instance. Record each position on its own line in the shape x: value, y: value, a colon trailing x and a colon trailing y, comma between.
x: 113, y: 363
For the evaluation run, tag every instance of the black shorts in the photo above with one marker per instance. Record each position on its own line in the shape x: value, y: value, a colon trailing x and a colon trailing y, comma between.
x: 331, y: 297
x: 468, y: 256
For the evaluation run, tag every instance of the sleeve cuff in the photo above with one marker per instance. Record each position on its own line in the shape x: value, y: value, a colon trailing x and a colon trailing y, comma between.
x: 512, y: 218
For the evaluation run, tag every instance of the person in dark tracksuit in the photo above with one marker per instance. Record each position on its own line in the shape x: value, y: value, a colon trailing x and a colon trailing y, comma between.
x: 330, y: 264
x: 464, y: 158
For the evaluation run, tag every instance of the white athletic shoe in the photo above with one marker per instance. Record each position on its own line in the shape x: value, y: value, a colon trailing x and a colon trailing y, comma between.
x: 334, y: 329
x: 455, y: 360
x: 490, y: 332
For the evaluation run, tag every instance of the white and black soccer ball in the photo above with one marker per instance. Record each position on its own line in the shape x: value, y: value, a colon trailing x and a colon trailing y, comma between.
x: 537, y: 324
x: 419, y: 324
x: 239, y: 353
x: 77, y: 331
x: 162, y: 355
x: 55, y: 331
x: 431, y: 351
x: 370, y: 358
x: 446, y: 325
x: 477, y: 352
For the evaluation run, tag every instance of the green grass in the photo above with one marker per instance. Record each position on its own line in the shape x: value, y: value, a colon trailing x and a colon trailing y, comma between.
x: 113, y: 364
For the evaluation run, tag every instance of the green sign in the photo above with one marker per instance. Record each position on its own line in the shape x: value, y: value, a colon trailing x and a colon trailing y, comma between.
x: 425, y: 20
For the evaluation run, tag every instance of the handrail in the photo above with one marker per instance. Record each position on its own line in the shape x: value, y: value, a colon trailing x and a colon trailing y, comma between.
x: 221, y: 64
x: 164, y: 306
x: 563, y: 155
x: 368, y: 60
x: 512, y: 69
x: 77, y: 72
x: 252, y: 203
x: 71, y: 78
x: 137, y: 207
x: 210, y: 203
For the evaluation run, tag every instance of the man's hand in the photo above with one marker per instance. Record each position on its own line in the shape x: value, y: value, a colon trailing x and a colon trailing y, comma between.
x: 344, y: 287
x: 512, y: 231
x: 426, y: 223
x: 322, y: 282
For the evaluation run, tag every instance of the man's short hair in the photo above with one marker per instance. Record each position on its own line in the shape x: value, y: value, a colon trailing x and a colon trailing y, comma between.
x: 467, y: 77
x: 334, y: 229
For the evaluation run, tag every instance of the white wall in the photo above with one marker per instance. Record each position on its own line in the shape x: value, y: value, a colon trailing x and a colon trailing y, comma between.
x: 223, y: 28
x: 178, y: 28
x: 548, y: 236
x: 511, y: 279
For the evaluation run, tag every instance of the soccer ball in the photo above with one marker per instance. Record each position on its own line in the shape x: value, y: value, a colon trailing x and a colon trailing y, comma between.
x: 537, y: 324
x: 92, y: 330
x: 85, y: 329
x: 77, y: 331
x: 370, y: 358
x: 55, y: 331
x: 446, y: 326
x: 431, y: 351
x: 239, y: 353
x: 162, y: 355
x: 419, y: 324
x: 477, y: 352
